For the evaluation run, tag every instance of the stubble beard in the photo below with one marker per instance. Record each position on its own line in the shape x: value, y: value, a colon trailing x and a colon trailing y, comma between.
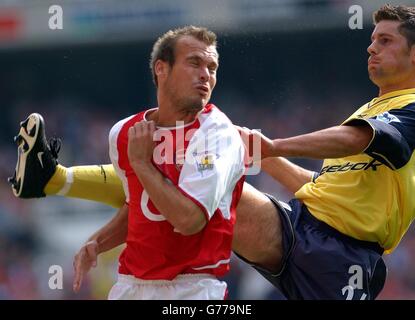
x: 376, y: 76
x: 189, y: 105
x: 186, y: 104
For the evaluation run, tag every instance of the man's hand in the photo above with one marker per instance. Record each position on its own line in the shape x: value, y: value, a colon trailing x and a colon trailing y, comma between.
x: 141, y: 142
x: 257, y: 145
x: 83, y: 261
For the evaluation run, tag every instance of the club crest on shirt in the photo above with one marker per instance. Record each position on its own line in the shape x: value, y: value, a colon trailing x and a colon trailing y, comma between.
x: 387, y: 118
x: 205, y: 161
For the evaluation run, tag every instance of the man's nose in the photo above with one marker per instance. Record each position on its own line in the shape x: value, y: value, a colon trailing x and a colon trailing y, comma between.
x: 372, y: 49
x: 204, y: 74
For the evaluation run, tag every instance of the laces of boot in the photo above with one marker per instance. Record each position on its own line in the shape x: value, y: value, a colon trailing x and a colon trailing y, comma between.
x: 55, y: 146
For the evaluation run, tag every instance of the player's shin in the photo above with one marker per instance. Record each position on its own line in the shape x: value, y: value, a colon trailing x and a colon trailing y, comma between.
x: 97, y: 183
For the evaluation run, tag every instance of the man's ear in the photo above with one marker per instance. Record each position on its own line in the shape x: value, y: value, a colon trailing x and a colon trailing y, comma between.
x: 161, y: 69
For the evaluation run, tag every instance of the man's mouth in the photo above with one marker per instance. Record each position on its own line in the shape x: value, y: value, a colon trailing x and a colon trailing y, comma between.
x: 203, y: 88
x: 373, y: 61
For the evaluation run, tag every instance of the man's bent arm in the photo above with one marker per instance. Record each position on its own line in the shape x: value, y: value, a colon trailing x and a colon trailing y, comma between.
x: 334, y: 142
x: 187, y: 217
x: 110, y: 236
x: 290, y: 175
x: 113, y: 233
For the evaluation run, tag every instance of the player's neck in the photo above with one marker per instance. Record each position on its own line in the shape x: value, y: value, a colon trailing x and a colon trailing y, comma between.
x: 168, y: 117
x: 168, y: 113
x: 396, y: 87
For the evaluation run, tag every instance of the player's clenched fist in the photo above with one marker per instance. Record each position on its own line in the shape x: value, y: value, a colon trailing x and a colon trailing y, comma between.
x: 141, y: 142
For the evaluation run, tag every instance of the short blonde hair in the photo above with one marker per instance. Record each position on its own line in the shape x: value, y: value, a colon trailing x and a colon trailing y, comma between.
x: 164, y: 47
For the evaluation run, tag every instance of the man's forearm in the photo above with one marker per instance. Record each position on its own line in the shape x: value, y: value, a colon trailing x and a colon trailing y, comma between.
x: 335, y: 142
x: 290, y: 175
x: 114, y: 232
x: 179, y: 210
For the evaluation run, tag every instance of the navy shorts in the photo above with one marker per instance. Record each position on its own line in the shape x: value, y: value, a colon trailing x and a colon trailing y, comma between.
x: 319, y: 262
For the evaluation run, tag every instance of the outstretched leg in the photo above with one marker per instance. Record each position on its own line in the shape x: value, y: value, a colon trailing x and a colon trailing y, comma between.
x: 258, y: 230
x: 95, y: 182
x: 38, y: 173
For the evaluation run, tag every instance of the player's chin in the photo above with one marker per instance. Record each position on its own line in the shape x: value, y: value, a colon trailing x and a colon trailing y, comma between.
x: 194, y: 103
x: 204, y: 100
x: 375, y: 75
x: 201, y: 99
x: 372, y: 73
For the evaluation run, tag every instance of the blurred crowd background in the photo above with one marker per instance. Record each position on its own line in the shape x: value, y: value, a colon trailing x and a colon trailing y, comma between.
x: 286, y: 67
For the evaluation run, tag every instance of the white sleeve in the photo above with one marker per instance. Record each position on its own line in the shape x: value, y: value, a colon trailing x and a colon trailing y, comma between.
x: 114, y: 155
x: 214, y: 163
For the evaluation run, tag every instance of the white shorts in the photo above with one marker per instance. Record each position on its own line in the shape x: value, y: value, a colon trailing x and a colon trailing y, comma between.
x: 183, y: 287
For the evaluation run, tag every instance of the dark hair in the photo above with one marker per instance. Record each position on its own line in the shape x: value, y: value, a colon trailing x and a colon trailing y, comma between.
x: 164, y: 47
x: 404, y: 14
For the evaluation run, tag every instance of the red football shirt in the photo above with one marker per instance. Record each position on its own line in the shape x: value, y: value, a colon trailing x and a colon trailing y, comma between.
x: 204, y: 160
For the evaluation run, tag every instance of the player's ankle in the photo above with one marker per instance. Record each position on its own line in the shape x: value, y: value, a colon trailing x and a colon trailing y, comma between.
x: 57, y: 181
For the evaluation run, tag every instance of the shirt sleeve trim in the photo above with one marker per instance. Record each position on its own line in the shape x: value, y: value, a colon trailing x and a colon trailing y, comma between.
x: 349, y: 123
x: 198, y: 203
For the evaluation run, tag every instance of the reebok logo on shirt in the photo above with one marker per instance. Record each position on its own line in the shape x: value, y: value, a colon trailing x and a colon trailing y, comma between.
x: 352, y: 166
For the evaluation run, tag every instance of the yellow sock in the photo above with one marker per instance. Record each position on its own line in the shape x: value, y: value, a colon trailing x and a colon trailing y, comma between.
x: 96, y: 183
